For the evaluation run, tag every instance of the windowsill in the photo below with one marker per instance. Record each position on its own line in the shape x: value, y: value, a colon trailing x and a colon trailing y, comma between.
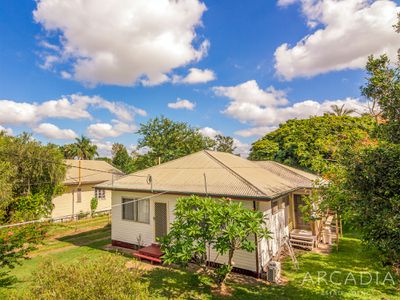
x: 132, y: 221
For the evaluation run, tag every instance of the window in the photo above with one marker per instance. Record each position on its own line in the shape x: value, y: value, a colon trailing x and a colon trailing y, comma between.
x: 281, y: 204
x: 136, y: 210
x: 100, y: 194
x: 79, y: 196
x: 274, y: 205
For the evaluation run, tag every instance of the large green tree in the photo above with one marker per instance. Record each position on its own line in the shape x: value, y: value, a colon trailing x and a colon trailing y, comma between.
x: 382, y: 89
x: 372, y: 186
x: 31, y: 174
x: 166, y: 140
x: 312, y: 143
x: 32, y: 169
x: 83, y: 148
x: 372, y: 174
x: 224, y: 143
x: 121, y: 158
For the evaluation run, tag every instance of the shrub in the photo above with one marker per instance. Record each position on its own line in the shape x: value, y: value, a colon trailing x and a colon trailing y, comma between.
x: 93, y: 205
x: 105, y: 277
x: 219, y: 224
x: 15, y: 244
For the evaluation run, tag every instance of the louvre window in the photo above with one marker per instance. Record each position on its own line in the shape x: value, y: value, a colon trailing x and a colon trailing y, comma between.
x: 136, y: 210
x: 100, y: 194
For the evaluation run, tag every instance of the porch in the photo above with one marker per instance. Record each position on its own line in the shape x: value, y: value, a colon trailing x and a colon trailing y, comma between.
x: 309, y: 235
x: 321, y: 232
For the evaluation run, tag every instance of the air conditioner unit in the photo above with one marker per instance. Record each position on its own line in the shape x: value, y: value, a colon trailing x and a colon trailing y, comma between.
x: 273, y: 271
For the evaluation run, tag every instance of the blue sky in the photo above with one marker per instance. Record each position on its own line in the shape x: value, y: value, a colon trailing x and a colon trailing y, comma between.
x: 253, y: 64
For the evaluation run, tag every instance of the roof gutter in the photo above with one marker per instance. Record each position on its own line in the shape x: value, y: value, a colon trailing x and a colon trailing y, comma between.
x: 259, y: 198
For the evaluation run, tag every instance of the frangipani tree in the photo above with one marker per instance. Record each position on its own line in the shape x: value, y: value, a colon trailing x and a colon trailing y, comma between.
x: 220, y: 224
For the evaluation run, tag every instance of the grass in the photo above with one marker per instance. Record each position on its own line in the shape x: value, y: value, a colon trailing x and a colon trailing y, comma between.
x: 68, y: 242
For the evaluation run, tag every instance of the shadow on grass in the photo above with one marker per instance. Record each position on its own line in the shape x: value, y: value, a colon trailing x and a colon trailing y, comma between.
x: 174, y: 283
x: 87, y: 237
x: 343, y: 274
x: 352, y: 257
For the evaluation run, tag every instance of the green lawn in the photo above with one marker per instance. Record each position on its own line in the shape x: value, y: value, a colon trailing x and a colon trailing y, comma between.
x: 69, y: 241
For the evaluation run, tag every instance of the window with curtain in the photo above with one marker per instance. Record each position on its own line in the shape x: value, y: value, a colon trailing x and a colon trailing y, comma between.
x: 136, y: 210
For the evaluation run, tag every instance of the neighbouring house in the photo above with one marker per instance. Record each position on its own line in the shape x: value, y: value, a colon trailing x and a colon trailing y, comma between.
x: 80, y: 179
x: 144, y: 202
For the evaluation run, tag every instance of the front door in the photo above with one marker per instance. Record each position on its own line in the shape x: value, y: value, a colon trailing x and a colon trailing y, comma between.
x: 160, y: 219
x: 300, y: 223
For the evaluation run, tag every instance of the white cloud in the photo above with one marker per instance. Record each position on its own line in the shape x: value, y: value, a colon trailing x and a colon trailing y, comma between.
x: 267, y: 109
x: 100, y: 131
x: 51, y: 131
x: 68, y: 107
x: 8, y: 131
x: 195, y: 76
x: 286, y: 2
x: 255, y: 131
x: 349, y: 31
x: 182, y: 104
x: 249, y: 92
x: 242, y: 149
x: 103, y: 148
x: 12, y: 112
x: 122, y: 41
x: 209, y: 132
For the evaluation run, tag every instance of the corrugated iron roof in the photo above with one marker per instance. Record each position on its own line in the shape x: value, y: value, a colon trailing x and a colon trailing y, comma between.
x: 212, y: 173
x: 300, y: 177
x: 92, y: 171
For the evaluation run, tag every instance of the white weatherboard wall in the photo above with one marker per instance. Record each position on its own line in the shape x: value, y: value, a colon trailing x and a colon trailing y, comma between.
x: 67, y: 203
x: 276, y: 225
x: 134, y: 232
x: 241, y: 259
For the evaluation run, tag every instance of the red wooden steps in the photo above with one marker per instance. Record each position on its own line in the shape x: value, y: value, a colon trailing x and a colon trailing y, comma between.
x: 146, y: 257
x: 152, y: 253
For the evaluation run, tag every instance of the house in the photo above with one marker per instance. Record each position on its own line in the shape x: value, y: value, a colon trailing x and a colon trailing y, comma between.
x: 144, y: 202
x: 80, y: 179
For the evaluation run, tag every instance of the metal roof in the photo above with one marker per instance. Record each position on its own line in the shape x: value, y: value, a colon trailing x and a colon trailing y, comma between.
x: 212, y: 173
x: 92, y: 171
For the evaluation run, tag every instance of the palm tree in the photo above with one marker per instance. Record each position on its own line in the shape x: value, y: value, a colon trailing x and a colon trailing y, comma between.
x: 81, y: 149
x: 341, y: 110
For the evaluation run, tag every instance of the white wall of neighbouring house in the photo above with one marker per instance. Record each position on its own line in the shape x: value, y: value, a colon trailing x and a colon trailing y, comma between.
x: 68, y: 204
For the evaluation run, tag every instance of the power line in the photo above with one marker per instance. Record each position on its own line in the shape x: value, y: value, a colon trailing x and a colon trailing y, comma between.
x: 71, y: 166
x: 64, y: 217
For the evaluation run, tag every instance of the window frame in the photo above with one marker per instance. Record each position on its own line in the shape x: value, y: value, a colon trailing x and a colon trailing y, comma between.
x: 78, y: 195
x: 135, y: 210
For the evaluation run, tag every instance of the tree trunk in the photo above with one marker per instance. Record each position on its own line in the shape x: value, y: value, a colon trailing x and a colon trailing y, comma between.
x: 230, y: 256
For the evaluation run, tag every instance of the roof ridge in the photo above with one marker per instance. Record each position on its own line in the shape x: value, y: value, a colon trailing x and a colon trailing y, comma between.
x: 164, y: 163
x: 252, y: 186
x: 291, y: 171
